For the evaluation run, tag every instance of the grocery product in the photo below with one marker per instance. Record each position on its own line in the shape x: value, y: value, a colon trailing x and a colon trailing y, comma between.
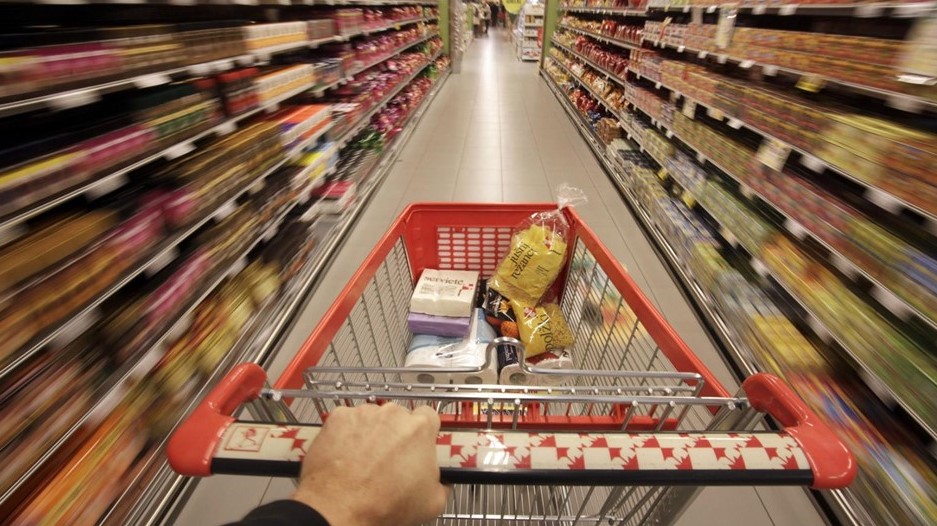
x: 542, y: 328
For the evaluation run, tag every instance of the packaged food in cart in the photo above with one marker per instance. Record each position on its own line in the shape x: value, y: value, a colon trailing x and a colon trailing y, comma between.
x: 627, y: 437
x: 537, y: 253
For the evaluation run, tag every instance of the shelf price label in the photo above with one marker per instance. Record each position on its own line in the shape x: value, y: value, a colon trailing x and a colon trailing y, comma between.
x: 869, y: 10
x: 688, y: 199
x: 662, y: 174
x: 811, y: 83
x: 773, y: 154
x: 696, y: 17
x: 726, y: 26
x: 812, y: 163
x: 689, y: 108
x: 715, y: 113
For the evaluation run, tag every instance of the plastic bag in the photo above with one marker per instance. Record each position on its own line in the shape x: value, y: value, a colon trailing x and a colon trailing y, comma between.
x: 543, y: 328
x: 537, y: 253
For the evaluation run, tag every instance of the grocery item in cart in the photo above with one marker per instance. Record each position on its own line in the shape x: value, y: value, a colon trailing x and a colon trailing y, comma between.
x: 428, y: 351
x: 445, y: 293
x: 543, y: 328
x: 536, y: 256
x: 511, y: 372
x: 497, y: 307
x: 438, y: 325
x: 537, y: 253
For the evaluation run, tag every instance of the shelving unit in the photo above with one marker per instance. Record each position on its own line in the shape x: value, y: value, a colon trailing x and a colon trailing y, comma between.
x: 269, y: 326
x: 693, y: 144
x: 526, y: 34
x: 280, y: 181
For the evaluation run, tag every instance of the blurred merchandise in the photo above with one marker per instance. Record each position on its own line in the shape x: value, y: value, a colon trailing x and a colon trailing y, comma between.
x: 172, y: 217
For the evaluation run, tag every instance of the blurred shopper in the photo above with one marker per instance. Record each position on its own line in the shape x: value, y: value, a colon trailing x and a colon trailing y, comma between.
x: 486, y: 16
x: 495, y: 14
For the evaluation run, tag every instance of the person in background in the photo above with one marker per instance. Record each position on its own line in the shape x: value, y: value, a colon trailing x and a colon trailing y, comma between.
x: 486, y: 16
x: 496, y: 14
x: 477, y: 18
x: 369, y: 466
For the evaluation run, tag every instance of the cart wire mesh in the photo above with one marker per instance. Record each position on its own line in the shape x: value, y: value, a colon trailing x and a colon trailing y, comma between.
x: 623, y: 381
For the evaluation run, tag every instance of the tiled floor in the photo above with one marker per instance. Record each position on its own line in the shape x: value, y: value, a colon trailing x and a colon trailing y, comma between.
x: 496, y: 133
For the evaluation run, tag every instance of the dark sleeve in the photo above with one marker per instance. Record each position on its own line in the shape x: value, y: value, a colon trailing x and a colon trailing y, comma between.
x: 282, y: 513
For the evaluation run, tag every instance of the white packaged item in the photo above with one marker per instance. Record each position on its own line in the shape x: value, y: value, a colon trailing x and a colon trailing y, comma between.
x: 445, y: 293
x: 437, y: 352
x: 510, y: 372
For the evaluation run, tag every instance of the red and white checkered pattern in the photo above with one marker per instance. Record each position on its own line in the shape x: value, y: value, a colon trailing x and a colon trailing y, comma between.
x: 599, y: 451
x: 552, y: 451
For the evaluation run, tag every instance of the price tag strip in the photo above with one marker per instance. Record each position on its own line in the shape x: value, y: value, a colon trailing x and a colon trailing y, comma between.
x: 773, y: 153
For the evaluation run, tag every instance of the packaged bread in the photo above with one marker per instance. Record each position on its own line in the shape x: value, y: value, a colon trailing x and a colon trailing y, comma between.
x: 537, y: 253
x: 542, y: 328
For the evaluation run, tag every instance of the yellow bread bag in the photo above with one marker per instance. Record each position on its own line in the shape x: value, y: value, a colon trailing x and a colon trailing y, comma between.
x: 537, y: 253
x: 536, y: 257
x: 543, y: 328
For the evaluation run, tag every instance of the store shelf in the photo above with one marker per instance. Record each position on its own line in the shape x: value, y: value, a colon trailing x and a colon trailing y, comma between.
x: 894, y: 99
x: 608, y: 74
x: 10, y: 226
x: 844, y: 503
x: 743, y: 356
x: 151, y: 350
x: 857, y: 10
x: 263, y: 55
x: 90, y: 94
x: 614, y: 11
x: 820, y: 329
x: 882, y: 294
x: 269, y: 326
x: 812, y: 320
x: 873, y: 194
x: 393, y: 54
x: 265, y: 3
x: 364, y: 120
x: 601, y: 38
x: 163, y: 254
x: 588, y: 88
x: 367, y: 32
x: 76, y: 97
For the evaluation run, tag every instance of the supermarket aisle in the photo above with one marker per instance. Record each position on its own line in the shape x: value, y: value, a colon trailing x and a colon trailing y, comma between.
x: 496, y: 133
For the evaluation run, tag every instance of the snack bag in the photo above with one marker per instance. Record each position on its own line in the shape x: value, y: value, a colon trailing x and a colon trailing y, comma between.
x: 497, y: 308
x: 537, y: 253
x: 543, y: 328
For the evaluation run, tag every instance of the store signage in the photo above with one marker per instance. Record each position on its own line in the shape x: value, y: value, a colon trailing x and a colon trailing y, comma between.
x: 512, y: 6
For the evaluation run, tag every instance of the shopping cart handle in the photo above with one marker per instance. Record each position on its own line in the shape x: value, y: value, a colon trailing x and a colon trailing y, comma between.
x: 805, y: 453
x: 193, y: 445
x: 831, y: 462
x: 521, y: 457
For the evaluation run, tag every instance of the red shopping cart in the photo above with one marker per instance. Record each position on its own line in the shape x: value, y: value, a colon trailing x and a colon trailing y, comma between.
x: 628, y: 437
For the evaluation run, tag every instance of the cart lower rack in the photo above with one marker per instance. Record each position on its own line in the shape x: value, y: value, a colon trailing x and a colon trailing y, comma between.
x: 627, y: 437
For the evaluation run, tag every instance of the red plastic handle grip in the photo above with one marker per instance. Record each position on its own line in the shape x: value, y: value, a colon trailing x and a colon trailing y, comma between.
x: 832, y: 463
x: 193, y: 444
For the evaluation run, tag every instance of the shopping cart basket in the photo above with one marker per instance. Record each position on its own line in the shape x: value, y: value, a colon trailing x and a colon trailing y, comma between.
x: 627, y: 437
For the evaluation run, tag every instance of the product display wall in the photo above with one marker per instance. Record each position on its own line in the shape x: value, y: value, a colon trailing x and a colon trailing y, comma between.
x: 528, y: 33
x: 173, y: 181
x: 781, y: 156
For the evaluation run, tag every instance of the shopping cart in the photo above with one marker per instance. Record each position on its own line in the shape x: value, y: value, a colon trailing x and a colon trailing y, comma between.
x: 627, y: 437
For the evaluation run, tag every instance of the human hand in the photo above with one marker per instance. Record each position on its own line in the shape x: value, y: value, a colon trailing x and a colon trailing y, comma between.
x: 374, y: 465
